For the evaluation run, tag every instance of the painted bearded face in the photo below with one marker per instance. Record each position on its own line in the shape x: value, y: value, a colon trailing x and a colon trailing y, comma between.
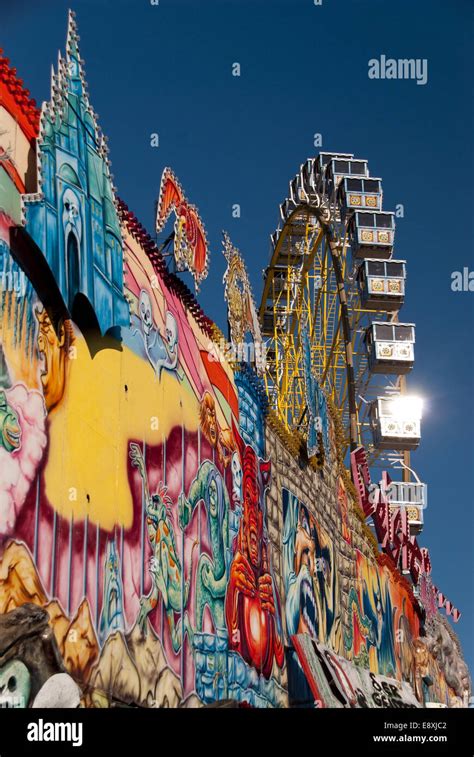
x: 209, y: 420
x: 212, y: 425
x: 252, y: 518
x: 52, y: 350
x: 421, y: 654
x: 305, y: 569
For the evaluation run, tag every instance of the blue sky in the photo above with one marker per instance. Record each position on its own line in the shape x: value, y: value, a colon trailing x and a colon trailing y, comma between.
x: 304, y: 69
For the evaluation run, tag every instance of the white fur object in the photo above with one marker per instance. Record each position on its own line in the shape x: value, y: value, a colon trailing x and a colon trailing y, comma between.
x: 60, y: 691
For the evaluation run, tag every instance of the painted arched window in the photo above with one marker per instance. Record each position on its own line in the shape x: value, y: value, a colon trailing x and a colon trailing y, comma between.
x: 72, y: 252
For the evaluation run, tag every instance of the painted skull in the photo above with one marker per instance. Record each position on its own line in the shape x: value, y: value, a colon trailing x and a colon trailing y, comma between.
x: 236, y: 470
x: 111, y: 617
x: 213, y: 498
x: 15, y: 685
x: 171, y: 332
x: 145, y: 311
x: 71, y: 214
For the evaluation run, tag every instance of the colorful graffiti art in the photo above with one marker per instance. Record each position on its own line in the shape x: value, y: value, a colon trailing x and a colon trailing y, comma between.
x: 252, y: 607
x: 310, y: 574
x: 343, y: 506
x: 383, y: 617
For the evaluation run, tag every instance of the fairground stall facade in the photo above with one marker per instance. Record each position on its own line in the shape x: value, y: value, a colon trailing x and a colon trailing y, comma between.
x: 187, y: 520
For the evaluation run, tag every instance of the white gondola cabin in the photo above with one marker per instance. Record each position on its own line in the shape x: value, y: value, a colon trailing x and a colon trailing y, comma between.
x: 390, y: 347
x: 396, y: 422
x: 324, y: 158
x: 371, y: 235
x: 339, y: 168
x: 382, y: 284
x: 359, y: 194
x: 411, y: 496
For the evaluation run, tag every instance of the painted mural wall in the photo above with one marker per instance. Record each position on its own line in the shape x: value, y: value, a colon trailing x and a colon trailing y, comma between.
x: 159, y: 543
x: 346, y: 598
x: 132, y: 508
x: 123, y: 466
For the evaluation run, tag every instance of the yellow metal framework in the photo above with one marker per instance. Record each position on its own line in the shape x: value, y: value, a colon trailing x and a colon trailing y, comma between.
x: 301, y: 289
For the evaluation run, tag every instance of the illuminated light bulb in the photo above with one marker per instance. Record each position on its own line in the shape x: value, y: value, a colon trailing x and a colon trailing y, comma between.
x: 406, y: 407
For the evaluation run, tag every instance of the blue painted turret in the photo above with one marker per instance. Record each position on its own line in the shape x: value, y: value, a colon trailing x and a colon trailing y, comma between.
x: 73, y: 217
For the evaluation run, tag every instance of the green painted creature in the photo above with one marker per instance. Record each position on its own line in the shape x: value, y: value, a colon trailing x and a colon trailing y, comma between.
x: 165, y: 566
x: 211, y: 576
x: 10, y: 431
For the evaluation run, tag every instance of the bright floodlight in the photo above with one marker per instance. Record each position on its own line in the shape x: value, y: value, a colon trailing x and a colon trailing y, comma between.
x: 405, y: 407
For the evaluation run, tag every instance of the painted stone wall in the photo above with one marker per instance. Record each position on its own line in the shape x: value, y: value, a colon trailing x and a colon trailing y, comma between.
x: 133, y: 510
x: 339, y: 589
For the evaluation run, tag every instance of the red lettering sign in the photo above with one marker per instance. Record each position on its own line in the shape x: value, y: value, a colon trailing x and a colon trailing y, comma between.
x: 392, y: 527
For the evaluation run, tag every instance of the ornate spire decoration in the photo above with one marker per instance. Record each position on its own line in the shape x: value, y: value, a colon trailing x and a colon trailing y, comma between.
x: 191, y: 249
x: 73, y: 217
x: 241, y: 309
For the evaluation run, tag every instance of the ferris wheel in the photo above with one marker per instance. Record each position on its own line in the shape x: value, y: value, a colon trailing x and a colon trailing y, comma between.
x: 332, y: 295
